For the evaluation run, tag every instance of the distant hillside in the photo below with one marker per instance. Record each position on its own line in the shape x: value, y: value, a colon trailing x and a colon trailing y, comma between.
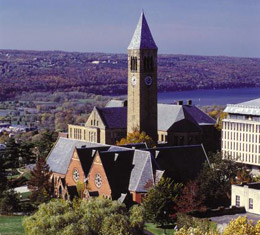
x: 106, y: 74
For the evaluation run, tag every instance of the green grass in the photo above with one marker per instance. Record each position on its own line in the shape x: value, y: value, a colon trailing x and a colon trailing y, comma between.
x: 158, y: 231
x: 11, y: 225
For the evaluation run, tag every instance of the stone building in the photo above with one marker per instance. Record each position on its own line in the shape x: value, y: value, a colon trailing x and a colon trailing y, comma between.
x: 178, y: 124
x: 241, y: 133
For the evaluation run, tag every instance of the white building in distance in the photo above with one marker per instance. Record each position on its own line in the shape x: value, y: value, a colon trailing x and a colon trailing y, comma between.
x: 241, y: 133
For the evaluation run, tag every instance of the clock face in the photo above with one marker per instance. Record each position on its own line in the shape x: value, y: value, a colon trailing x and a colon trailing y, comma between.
x: 76, y: 175
x: 133, y: 81
x: 98, y: 180
x: 148, y: 80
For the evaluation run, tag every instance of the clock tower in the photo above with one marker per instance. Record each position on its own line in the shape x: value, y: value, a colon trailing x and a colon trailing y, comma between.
x: 142, y: 81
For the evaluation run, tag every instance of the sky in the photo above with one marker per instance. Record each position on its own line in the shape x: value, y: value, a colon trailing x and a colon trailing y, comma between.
x: 194, y: 27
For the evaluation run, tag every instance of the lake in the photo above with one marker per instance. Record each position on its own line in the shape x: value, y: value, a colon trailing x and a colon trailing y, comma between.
x: 211, y: 97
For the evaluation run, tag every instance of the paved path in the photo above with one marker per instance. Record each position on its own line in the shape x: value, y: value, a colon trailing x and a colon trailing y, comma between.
x: 222, y: 221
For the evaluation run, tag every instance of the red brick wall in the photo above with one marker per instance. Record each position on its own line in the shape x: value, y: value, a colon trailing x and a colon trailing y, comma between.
x: 96, y: 168
x: 74, y: 164
x: 137, y: 197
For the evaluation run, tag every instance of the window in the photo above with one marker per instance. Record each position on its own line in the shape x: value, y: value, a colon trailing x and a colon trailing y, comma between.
x: 238, y: 201
x: 133, y: 63
x: 250, y: 203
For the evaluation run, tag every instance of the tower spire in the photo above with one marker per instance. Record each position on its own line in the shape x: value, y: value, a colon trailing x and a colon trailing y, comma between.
x: 142, y: 38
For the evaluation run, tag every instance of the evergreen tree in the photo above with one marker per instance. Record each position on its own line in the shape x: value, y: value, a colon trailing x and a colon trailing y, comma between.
x: 11, y: 154
x: 46, y: 142
x: 3, y: 179
x: 39, y: 183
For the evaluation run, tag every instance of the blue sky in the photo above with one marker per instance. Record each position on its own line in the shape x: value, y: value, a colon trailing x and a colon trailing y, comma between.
x: 198, y: 27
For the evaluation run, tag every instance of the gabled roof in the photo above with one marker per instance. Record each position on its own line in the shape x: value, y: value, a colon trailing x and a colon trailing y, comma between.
x: 60, y: 156
x: 113, y: 117
x: 181, y: 163
x: 118, y: 167
x: 86, y: 157
x: 141, y: 168
x: 142, y: 38
x: 168, y: 114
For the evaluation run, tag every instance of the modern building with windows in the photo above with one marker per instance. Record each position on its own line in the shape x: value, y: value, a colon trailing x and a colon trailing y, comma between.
x: 246, y: 195
x: 241, y: 133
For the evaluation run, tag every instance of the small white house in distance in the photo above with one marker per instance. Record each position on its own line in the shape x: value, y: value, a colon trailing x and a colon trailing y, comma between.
x: 246, y: 195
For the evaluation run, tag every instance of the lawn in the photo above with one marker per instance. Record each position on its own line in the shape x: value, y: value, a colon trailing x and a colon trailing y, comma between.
x: 158, y: 231
x: 11, y: 225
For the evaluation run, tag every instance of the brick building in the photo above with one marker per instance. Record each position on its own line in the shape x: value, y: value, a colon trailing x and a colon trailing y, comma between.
x: 119, y: 173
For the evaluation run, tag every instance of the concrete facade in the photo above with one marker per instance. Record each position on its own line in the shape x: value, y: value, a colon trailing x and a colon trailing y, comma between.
x: 247, y: 196
x: 241, y: 133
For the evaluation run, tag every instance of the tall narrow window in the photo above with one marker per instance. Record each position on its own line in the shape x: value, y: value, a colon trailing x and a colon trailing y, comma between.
x: 250, y: 203
x: 133, y: 63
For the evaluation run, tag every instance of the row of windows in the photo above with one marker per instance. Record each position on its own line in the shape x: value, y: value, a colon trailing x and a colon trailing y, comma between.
x: 240, y: 127
x: 77, y: 134
x: 94, y: 122
x: 238, y: 146
x: 240, y: 136
x: 250, y: 202
x: 147, y: 61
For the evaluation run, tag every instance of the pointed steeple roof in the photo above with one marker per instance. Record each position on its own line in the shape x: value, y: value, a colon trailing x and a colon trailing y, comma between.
x: 142, y: 38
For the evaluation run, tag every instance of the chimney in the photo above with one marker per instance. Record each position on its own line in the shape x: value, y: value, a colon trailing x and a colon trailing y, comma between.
x: 189, y: 102
x: 180, y: 102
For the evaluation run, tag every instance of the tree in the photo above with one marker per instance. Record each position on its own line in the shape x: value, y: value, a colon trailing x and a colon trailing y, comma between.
x: 92, y: 217
x: 45, y: 143
x: 160, y: 201
x: 11, y: 154
x: 137, y: 214
x: 3, y: 179
x: 190, y: 199
x: 215, y: 181
x: 196, y: 231
x: 9, y: 202
x: 39, y: 182
x: 241, y: 226
x: 137, y: 137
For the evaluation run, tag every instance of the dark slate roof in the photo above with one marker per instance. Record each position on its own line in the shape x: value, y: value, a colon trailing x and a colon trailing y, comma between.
x: 185, y: 125
x: 114, y: 117
x: 86, y: 157
x: 142, y: 38
x: 118, y: 168
x: 168, y: 114
x: 194, y: 114
x: 135, y: 146
x: 60, y: 156
x: 142, y: 171
x: 181, y: 163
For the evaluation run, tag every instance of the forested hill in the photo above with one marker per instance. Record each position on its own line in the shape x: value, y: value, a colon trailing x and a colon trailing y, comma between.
x: 106, y: 74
